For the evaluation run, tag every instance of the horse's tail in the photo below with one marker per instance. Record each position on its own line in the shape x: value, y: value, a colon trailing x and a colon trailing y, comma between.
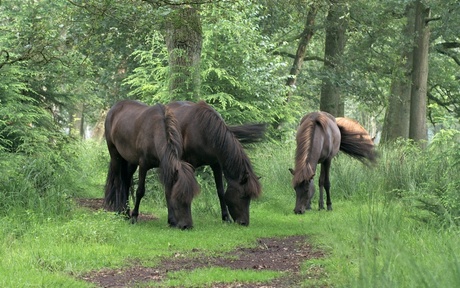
x: 110, y: 197
x: 355, y: 141
x: 249, y: 133
x: 173, y: 171
x: 116, y: 188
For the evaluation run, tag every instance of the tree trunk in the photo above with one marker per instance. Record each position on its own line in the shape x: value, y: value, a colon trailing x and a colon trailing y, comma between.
x: 184, y: 37
x: 335, y: 44
x: 417, y: 128
x: 77, y: 120
x: 301, y: 49
x: 397, y: 116
x: 98, y: 129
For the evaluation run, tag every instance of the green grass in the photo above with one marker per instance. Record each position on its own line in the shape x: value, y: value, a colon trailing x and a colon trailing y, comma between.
x: 372, y: 238
x: 207, y: 276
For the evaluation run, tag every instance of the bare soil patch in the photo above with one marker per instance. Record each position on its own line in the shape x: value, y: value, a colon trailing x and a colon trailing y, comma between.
x: 96, y: 204
x: 276, y: 254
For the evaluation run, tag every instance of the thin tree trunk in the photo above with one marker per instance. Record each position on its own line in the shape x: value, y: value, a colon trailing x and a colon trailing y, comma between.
x: 334, y: 47
x: 77, y: 122
x: 397, y: 116
x: 98, y: 130
x: 184, y: 37
x: 417, y: 128
x: 307, y: 33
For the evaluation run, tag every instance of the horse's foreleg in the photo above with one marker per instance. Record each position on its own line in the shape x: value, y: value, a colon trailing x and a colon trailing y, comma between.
x: 139, y: 193
x: 217, y: 171
x: 324, y: 184
x: 127, y: 179
x: 171, y: 218
x: 311, y: 193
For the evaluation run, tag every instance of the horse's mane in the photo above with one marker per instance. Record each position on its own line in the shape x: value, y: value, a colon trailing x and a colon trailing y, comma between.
x: 305, y: 135
x: 236, y: 165
x: 185, y: 184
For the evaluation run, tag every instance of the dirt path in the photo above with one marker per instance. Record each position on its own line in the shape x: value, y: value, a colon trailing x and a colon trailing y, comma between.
x: 274, y: 254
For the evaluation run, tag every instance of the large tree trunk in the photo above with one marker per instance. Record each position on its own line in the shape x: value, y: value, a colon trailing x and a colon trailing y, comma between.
x: 307, y: 33
x: 184, y: 37
x: 331, y: 100
x: 397, y: 117
x: 417, y: 128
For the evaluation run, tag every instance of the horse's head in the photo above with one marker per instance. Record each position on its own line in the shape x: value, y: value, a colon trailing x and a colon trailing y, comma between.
x: 238, y: 197
x: 183, y: 190
x: 304, y: 191
x: 182, y: 213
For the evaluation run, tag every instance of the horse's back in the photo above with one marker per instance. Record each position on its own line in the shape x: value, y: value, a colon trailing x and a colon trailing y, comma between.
x: 133, y: 128
x: 322, y: 133
x: 198, y: 123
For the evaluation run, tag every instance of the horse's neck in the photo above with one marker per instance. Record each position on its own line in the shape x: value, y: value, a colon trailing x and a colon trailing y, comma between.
x: 233, y: 160
x: 312, y: 154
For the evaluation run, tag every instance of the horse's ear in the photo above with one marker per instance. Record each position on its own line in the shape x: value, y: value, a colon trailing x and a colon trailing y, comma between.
x: 245, y: 178
x: 291, y: 170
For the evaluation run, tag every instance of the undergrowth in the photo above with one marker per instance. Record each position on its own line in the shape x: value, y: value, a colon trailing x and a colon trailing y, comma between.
x: 390, y: 222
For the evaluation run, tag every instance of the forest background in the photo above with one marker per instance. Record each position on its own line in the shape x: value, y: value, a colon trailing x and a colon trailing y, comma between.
x: 392, y: 65
x: 64, y: 63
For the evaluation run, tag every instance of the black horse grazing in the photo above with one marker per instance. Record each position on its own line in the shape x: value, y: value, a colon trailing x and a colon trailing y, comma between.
x: 319, y: 138
x: 148, y: 137
x: 209, y: 141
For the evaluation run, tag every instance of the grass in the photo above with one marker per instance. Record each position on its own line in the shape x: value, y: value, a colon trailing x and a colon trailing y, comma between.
x: 371, y: 239
x: 207, y: 276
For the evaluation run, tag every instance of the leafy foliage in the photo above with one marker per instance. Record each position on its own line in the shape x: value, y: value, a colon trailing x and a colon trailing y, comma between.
x: 440, y: 194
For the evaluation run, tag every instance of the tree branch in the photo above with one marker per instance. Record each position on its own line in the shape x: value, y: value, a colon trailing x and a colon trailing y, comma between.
x: 443, y: 48
x: 7, y: 60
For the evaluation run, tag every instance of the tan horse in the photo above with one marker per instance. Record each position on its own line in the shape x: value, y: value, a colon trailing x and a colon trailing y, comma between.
x: 319, y: 138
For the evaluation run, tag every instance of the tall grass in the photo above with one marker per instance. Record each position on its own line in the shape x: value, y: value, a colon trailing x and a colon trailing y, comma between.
x: 39, y: 187
x: 379, y: 235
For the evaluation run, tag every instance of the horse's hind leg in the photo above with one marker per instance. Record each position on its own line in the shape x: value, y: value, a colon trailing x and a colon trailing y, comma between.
x: 217, y: 171
x: 325, y: 184
x: 139, y: 193
x: 127, y: 182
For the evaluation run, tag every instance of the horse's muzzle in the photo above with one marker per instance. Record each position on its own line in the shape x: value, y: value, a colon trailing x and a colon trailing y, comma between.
x: 299, y: 211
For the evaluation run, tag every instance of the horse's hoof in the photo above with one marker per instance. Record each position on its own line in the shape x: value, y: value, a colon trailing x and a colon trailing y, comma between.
x: 227, y: 219
x: 242, y: 222
x: 184, y: 226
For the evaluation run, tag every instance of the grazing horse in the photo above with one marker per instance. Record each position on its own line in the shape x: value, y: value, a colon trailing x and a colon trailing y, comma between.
x: 319, y: 138
x: 148, y: 137
x: 209, y: 141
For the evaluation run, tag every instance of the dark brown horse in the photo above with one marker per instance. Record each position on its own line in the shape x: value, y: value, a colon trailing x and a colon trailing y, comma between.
x: 148, y: 137
x: 319, y: 138
x: 209, y: 141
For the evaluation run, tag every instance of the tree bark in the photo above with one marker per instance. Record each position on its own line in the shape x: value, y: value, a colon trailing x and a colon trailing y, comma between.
x: 184, y: 37
x: 397, y: 116
x: 334, y: 47
x: 307, y: 34
x: 417, y: 128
